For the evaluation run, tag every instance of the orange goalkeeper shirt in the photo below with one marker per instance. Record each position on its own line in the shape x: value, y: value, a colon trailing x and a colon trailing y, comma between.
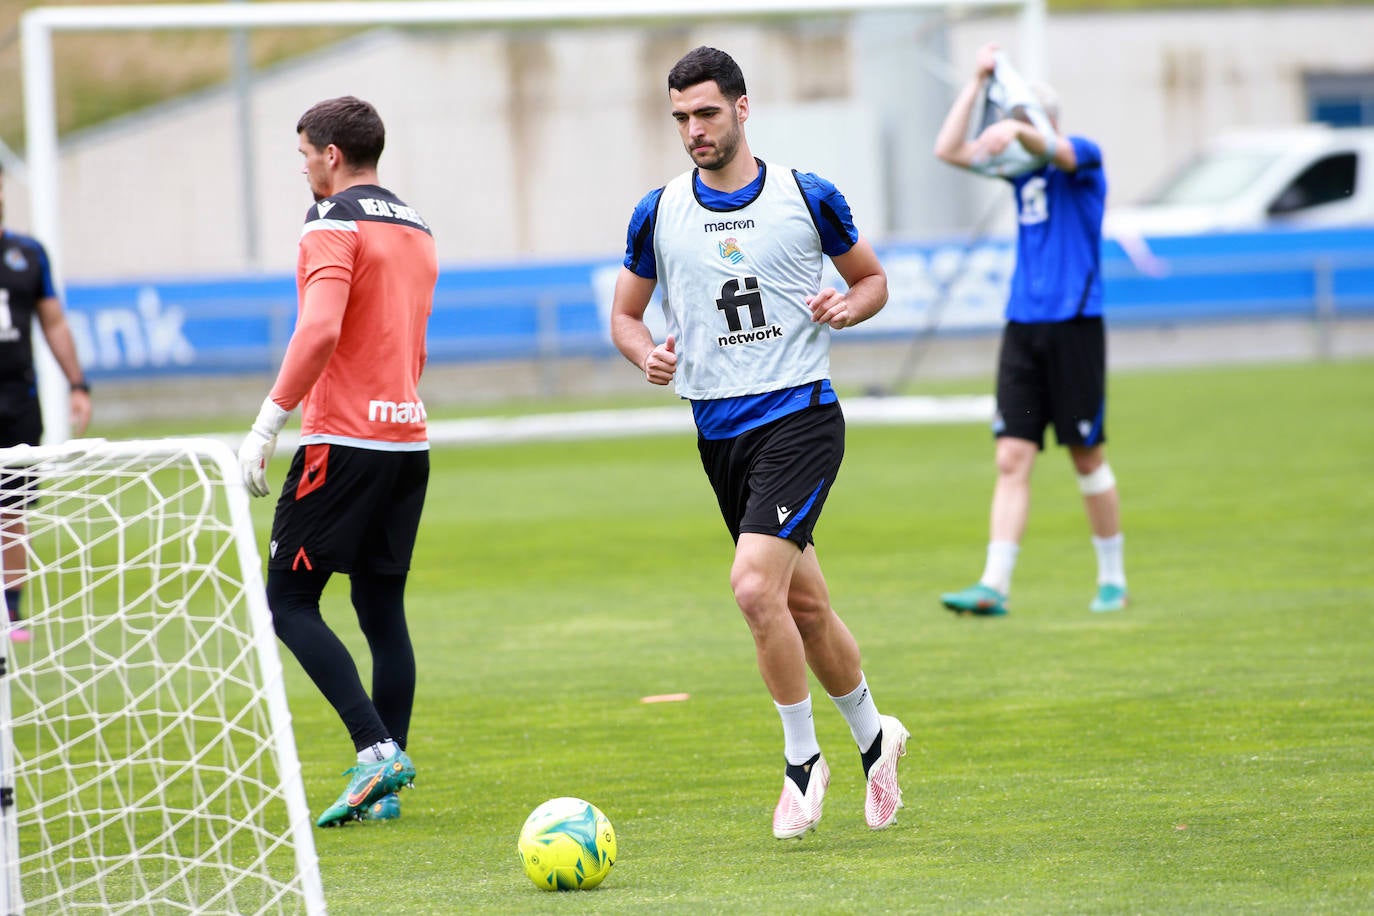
x: 367, y: 393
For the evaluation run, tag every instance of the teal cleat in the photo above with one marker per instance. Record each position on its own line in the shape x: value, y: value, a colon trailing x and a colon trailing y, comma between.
x: 386, y: 808
x: 976, y: 599
x: 1109, y: 598
x: 370, y: 782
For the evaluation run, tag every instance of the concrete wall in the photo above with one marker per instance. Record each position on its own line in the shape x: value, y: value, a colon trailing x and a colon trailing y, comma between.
x: 512, y: 145
x: 537, y: 144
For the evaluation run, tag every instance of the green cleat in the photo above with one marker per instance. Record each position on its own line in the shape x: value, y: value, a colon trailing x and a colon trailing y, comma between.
x: 1109, y: 598
x: 386, y: 808
x: 976, y: 599
x: 370, y: 782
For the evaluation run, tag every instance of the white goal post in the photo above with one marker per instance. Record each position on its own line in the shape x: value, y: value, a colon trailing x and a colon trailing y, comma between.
x: 39, y: 25
x: 147, y: 762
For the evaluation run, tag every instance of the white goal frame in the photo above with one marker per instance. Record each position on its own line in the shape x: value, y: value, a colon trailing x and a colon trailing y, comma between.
x: 151, y: 696
x: 40, y: 24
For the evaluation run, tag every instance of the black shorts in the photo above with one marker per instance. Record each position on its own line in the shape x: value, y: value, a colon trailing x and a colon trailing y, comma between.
x: 21, y: 423
x: 774, y: 479
x: 347, y: 510
x: 1053, y: 373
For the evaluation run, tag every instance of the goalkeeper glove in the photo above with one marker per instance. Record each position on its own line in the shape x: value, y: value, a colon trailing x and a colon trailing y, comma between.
x: 258, y: 446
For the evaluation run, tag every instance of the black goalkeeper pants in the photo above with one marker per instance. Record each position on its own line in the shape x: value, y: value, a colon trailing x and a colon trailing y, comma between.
x: 379, y: 601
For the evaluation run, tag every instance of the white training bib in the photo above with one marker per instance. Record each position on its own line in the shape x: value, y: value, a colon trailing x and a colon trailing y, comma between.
x: 734, y: 287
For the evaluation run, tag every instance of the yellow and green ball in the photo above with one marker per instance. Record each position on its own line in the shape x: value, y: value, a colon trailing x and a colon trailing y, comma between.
x: 567, y: 844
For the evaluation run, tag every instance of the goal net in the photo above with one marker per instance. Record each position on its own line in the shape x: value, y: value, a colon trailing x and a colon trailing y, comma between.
x: 147, y: 762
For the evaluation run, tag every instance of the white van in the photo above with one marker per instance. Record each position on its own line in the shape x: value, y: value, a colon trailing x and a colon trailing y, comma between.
x: 1294, y: 177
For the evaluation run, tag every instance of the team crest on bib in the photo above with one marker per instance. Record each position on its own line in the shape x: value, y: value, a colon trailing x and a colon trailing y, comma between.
x: 15, y: 260
x: 730, y: 250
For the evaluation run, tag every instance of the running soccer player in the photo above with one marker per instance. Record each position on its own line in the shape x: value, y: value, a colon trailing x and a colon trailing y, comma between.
x: 351, y: 503
x: 26, y: 291
x: 738, y: 246
x: 1053, y: 363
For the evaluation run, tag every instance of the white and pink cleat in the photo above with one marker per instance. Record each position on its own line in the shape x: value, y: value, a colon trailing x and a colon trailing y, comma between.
x: 884, y: 796
x: 798, y: 812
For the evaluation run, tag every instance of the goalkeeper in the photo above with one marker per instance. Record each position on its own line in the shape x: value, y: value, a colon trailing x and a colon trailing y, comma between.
x: 1052, y: 368
x: 351, y: 502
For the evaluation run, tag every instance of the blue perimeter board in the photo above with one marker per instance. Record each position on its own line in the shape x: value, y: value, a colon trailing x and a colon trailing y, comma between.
x: 207, y: 326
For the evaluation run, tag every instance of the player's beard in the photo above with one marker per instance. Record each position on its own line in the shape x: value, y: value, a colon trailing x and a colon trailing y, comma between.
x: 722, y: 153
x: 318, y: 182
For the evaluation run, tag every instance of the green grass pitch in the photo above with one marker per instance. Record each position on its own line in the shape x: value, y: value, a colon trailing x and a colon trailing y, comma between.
x: 1208, y: 750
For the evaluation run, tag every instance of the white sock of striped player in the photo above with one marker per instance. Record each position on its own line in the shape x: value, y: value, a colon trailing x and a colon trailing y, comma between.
x: 799, y: 742
x: 859, y: 711
x: 382, y: 750
x: 1001, y: 563
x: 1111, y: 559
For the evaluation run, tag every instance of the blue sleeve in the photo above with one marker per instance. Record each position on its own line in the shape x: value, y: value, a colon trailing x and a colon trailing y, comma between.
x: 1088, y: 154
x: 830, y: 213
x: 47, y: 290
x: 639, y: 239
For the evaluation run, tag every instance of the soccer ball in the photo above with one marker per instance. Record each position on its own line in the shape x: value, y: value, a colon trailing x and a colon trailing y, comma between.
x: 567, y: 844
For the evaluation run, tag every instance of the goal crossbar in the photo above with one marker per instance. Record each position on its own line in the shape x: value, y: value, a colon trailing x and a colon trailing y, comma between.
x: 449, y: 12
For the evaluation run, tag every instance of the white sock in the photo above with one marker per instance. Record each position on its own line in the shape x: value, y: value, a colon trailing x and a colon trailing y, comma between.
x: 1111, y: 560
x: 1001, y: 562
x: 378, y: 752
x: 859, y: 711
x: 799, y: 742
